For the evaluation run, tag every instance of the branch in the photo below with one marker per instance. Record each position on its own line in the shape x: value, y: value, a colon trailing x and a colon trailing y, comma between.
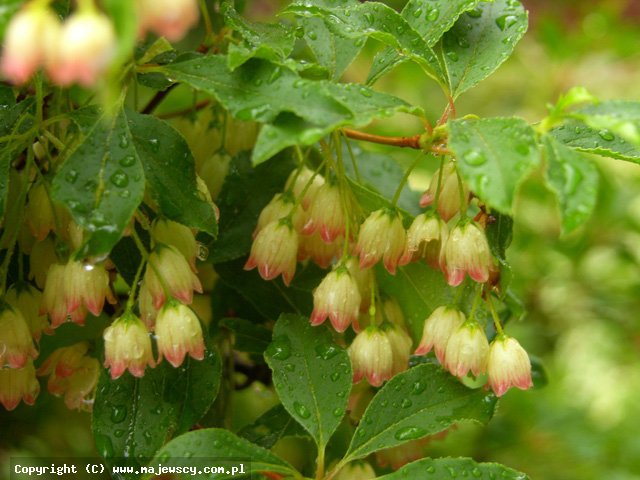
x: 405, y: 142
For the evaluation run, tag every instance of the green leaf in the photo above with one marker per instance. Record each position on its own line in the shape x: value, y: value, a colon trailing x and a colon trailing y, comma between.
x: 574, y: 180
x: 600, y: 141
x: 102, y: 181
x: 215, y: 443
x: 447, y: 468
x: 499, y: 235
x: 239, y: 211
x: 380, y: 22
x: 169, y: 168
x: 7, y: 9
x: 430, y: 18
x: 271, y: 427
x: 494, y: 157
x: 421, y: 401
x: 419, y: 289
x: 619, y: 116
x: 311, y: 374
x: 480, y: 41
x: 249, y: 336
x: 134, y: 417
x: 270, y: 41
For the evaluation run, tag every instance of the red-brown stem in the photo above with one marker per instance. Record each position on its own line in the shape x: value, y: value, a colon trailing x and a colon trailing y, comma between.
x: 407, y: 142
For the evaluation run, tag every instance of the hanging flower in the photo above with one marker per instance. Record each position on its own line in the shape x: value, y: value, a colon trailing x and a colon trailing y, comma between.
x: 326, y: 214
x: 437, y: 330
x: 338, y: 298
x: 467, y: 350
x: 18, y: 384
x: 508, y: 365
x: 16, y: 344
x: 178, y: 333
x: 371, y: 356
x: 382, y: 236
x: 127, y: 346
x: 274, y: 251
x: 168, y: 18
x: 467, y: 251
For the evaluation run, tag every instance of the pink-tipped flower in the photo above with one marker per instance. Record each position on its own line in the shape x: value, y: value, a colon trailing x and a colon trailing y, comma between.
x: 426, y: 239
x: 171, y: 19
x: 338, y: 298
x: 64, y: 361
x: 26, y: 41
x: 78, y: 388
x: 178, y: 333
x: 274, y: 251
x: 508, y: 365
x: 177, y: 235
x: 298, y: 181
x: 467, y: 350
x: 27, y: 300
x: 167, y: 265
x: 437, y: 330
x: 39, y: 212
x: 364, y: 278
x: 85, y: 46
x: 18, y: 384
x: 317, y: 250
x: 73, y: 290
x: 449, y: 198
x: 467, y: 251
x: 326, y: 214
x: 43, y: 256
x: 127, y: 346
x: 16, y: 344
x: 280, y: 206
x: 382, y: 236
x: 371, y: 356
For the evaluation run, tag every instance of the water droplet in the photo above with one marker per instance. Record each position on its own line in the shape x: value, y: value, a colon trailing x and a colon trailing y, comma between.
x: 452, y: 472
x: 440, y: 390
x: 313, y: 35
x: 474, y: 158
x: 384, y: 403
x: 118, y: 414
x: 335, y: 376
x: 572, y: 178
x: 463, y: 42
x: 338, y: 412
x: 410, y: 433
x: 71, y: 176
x: 280, y: 348
x: 202, y: 252
x: 417, y: 12
x: 290, y: 367
x: 119, y: 178
x: 257, y: 82
x: 127, y: 161
x: 606, y: 135
x: 301, y: 410
x: 400, y: 29
x: 104, y: 445
x: 419, y: 387
x: 431, y: 469
x: 154, y: 143
x: 506, y: 21
x: 147, y: 435
x: 118, y: 433
x: 433, y: 14
x: 406, y: 403
x: 476, y: 472
x: 124, y: 140
x: 475, y: 13
x: 453, y: 56
x: 365, y: 92
x: 326, y: 350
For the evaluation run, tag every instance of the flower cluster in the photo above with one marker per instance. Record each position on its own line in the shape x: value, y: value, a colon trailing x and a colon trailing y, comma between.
x: 82, y: 47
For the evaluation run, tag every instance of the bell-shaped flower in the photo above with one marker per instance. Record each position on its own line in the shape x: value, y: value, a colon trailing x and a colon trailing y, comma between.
x: 382, y: 236
x: 274, y: 251
x: 43, y: 255
x: 304, y: 181
x: 449, y: 200
x: 364, y: 278
x: 400, y: 345
x: 437, y: 330
x: 16, y: 344
x: 27, y: 300
x: 26, y: 41
x: 78, y: 389
x: 280, y: 206
x: 371, y: 356
x: 338, y: 298
x: 64, y: 361
x: 508, y: 365
x: 39, y: 212
x: 168, y: 269
x: 426, y: 239
x: 317, y: 250
x: 467, y: 350
x: 171, y: 19
x: 18, y: 384
x: 467, y: 251
x: 326, y: 214
x: 178, y: 333
x: 84, y: 48
x: 127, y: 346
x: 177, y: 235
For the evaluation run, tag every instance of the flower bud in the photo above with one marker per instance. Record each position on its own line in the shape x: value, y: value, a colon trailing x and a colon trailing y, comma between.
x: 298, y: 181
x: 426, y: 238
x: 167, y: 265
x: 467, y: 350
x: 16, y: 345
x: 177, y: 235
x: 449, y: 199
x: 508, y: 365
x: 39, y: 212
x: 83, y: 50
x: 382, y: 236
x: 18, y: 384
x: 79, y: 387
x: 338, y: 298
x: 26, y: 41
x: 467, y: 251
x: 279, y: 207
x: 437, y: 330
x: 127, y: 346
x: 364, y: 279
x: 371, y: 356
x: 168, y: 18
x: 27, y: 300
x: 274, y: 251
x: 178, y: 332
x: 43, y: 256
x: 356, y: 471
x: 326, y: 214
x: 213, y: 172
x: 314, y: 248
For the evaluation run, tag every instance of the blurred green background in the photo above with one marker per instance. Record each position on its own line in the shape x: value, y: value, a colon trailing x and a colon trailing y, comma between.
x: 582, y: 292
